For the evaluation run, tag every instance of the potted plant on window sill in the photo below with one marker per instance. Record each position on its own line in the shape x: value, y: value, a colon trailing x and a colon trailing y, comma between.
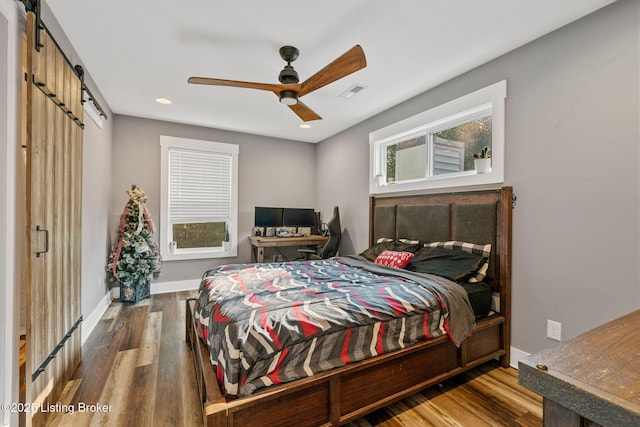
x: 482, y: 160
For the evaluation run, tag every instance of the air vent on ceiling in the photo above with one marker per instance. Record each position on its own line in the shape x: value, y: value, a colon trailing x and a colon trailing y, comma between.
x: 353, y: 90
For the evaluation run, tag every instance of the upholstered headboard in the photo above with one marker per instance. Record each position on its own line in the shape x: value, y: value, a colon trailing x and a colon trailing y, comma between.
x: 479, y: 217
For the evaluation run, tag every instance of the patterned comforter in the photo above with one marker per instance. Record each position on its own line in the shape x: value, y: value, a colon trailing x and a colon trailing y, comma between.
x: 267, y: 324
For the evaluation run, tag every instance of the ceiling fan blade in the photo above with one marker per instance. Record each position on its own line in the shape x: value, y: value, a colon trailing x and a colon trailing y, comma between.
x: 304, y: 112
x: 275, y: 88
x: 350, y: 62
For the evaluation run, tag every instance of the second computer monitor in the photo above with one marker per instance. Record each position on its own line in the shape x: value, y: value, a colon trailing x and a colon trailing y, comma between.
x: 297, y: 217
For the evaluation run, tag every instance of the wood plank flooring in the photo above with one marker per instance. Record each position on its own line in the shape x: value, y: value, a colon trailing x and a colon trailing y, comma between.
x: 137, y: 366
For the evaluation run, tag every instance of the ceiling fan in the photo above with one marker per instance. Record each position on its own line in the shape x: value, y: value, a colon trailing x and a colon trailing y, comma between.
x: 289, y: 90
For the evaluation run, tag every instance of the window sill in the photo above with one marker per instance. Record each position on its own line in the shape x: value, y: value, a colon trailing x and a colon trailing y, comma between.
x: 441, y: 182
x: 183, y: 255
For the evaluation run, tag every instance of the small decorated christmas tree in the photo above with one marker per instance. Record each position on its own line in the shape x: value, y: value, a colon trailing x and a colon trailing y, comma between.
x: 134, y: 259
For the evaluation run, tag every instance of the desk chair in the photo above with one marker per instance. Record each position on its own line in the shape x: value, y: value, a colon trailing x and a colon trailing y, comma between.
x: 330, y: 248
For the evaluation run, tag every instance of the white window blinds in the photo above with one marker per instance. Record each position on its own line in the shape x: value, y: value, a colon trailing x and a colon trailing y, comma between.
x: 199, y: 185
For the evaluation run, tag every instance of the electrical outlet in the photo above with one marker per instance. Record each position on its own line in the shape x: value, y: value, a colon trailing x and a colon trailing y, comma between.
x: 554, y: 330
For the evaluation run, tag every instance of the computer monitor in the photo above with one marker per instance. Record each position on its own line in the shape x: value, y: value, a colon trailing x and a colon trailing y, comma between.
x: 296, y: 217
x: 268, y: 217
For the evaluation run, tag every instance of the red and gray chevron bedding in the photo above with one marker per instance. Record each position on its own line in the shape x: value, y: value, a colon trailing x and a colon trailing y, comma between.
x: 267, y: 324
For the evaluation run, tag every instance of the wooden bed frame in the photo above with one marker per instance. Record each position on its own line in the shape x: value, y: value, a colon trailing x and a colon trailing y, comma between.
x: 345, y: 394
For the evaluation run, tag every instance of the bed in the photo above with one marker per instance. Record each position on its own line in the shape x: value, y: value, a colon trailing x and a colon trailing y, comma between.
x: 351, y: 384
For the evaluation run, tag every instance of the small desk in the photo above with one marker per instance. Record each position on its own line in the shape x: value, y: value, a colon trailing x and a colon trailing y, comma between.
x: 259, y: 243
x: 592, y: 378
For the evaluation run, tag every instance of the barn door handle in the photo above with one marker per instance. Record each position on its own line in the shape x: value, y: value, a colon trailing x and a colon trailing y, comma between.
x: 46, y: 241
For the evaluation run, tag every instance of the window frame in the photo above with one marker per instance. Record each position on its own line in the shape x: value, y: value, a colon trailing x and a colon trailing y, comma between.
x: 444, y: 116
x: 168, y: 142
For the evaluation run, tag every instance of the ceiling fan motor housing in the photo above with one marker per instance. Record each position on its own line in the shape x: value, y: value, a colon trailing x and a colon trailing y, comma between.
x: 288, y: 75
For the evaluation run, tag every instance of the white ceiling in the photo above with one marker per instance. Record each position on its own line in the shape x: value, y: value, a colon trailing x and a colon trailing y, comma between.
x: 138, y: 50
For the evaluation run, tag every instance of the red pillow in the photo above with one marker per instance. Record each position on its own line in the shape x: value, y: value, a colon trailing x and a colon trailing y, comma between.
x: 394, y: 259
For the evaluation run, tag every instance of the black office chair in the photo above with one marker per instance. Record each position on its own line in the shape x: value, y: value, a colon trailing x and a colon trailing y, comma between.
x: 330, y: 248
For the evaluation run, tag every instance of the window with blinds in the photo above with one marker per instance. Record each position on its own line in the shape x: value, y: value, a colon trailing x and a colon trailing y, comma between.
x: 200, y: 210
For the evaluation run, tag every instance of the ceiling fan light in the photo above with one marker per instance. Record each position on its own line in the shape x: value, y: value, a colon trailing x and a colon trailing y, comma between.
x: 289, y: 97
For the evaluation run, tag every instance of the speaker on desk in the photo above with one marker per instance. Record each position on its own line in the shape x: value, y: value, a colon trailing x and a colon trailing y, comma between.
x: 316, y: 228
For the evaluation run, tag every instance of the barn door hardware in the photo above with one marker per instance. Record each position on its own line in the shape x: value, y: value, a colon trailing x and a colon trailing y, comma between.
x: 46, y: 241
x: 55, y: 351
x: 80, y: 72
x: 34, y: 6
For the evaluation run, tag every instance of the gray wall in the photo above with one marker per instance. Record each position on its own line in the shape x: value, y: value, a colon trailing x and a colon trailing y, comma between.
x: 96, y: 199
x: 572, y: 156
x: 272, y: 172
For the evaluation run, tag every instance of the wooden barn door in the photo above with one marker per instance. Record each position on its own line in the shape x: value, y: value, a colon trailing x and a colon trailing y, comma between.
x: 53, y: 194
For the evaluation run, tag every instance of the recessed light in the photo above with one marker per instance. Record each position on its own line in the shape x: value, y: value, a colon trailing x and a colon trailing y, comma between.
x: 163, y: 101
x: 305, y: 126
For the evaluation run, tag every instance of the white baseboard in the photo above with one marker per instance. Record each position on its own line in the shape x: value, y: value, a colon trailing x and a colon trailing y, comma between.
x: 177, y: 286
x: 516, y: 355
x: 91, y: 321
x: 165, y: 287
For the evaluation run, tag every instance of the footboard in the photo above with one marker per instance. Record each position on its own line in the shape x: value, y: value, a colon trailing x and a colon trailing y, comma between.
x: 213, y: 403
x: 344, y: 394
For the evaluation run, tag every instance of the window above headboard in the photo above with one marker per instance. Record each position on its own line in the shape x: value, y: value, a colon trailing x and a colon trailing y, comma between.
x: 436, y: 149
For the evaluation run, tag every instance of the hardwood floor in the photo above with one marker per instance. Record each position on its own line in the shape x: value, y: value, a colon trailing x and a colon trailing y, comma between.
x: 485, y: 396
x: 137, y: 367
